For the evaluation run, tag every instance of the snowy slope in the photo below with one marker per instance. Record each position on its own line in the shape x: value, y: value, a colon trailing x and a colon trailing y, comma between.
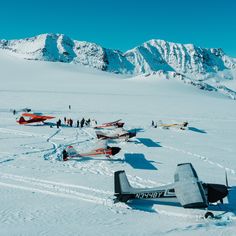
x: 203, y: 68
x: 43, y: 196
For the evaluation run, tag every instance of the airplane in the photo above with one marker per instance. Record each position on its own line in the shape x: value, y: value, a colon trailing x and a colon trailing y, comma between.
x: 181, y: 126
x: 119, y: 133
x: 102, y: 149
x: 187, y: 189
x: 114, y: 124
x: 33, y: 118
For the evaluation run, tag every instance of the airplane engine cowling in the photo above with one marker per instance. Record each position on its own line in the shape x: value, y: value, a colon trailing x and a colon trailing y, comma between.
x: 188, y: 188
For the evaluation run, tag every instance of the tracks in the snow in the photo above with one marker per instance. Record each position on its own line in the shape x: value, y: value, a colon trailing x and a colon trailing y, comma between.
x: 57, y: 189
x: 202, y: 158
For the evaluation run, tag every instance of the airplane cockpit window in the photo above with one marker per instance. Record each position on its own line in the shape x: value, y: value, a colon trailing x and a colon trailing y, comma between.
x: 171, y: 190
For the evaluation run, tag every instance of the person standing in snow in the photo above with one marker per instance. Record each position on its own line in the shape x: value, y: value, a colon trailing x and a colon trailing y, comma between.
x: 64, y: 155
x: 71, y: 122
x: 88, y: 122
x: 77, y: 124
x: 82, y: 123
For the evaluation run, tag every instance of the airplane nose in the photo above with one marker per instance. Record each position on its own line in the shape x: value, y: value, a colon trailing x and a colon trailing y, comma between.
x: 115, y: 150
x: 131, y: 135
x: 217, y: 192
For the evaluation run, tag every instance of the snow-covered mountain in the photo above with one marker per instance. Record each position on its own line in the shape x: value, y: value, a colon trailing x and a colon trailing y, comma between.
x: 185, y: 61
x: 151, y: 56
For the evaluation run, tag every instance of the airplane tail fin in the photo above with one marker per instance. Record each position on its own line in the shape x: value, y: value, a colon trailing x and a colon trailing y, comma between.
x: 71, y: 152
x: 122, y: 186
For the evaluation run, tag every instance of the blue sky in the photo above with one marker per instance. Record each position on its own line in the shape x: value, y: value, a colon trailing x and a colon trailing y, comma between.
x: 124, y: 24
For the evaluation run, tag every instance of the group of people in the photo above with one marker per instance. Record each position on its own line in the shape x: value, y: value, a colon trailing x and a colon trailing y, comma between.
x: 79, y: 123
x: 83, y: 123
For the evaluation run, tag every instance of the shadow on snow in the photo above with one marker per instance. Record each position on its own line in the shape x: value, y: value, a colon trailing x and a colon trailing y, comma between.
x: 138, y: 161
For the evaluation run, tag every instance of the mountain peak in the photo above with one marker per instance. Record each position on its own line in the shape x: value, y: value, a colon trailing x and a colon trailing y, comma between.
x: 153, y: 55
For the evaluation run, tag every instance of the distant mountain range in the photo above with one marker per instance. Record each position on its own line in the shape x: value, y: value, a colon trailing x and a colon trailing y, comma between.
x: 194, y: 65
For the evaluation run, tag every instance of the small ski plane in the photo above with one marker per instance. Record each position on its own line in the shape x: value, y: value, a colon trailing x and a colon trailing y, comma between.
x: 181, y: 126
x: 33, y: 118
x: 187, y: 189
x: 114, y: 124
x: 102, y: 149
x: 119, y: 133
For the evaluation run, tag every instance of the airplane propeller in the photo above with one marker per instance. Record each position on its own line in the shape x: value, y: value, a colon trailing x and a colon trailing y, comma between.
x: 226, y: 180
x: 227, y: 185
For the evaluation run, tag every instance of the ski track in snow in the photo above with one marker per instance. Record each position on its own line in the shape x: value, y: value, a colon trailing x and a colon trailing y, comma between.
x: 83, y: 193
x: 57, y: 189
x: 90, y: 195
x: 24, y: 133
x: 202, y: 158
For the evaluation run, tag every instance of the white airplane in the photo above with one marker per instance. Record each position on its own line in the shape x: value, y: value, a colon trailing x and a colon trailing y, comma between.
x: 187, y: 189
x: 113, y: 124
x: 181, y: 126
x: 119, y: 133
x: 101, y: 149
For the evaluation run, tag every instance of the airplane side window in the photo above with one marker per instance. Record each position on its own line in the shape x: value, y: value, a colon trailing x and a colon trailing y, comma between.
x: 176, y: 177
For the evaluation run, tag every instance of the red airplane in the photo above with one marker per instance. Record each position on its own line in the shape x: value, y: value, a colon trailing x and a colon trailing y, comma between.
x: 101, y: 150
x: 114, y: 124
x: 33, y: 118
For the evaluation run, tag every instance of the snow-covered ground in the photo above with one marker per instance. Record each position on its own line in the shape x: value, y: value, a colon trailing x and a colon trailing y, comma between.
x: 43, y: 196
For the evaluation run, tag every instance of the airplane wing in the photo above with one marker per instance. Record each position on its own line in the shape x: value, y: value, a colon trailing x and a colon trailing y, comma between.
x: 37, y: 116
x: 111, y: 123
x: 188, y: 188
x: 101, y: 144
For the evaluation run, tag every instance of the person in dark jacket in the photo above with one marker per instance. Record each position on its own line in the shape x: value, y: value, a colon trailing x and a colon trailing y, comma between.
x: 88, y: 122
x: 64, y: 155
x: 71, y: 122
x: 59, y: 122
x: 82, y: 123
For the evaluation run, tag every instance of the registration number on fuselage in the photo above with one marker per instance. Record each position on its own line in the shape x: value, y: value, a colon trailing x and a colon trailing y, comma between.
x: 149, y: 195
